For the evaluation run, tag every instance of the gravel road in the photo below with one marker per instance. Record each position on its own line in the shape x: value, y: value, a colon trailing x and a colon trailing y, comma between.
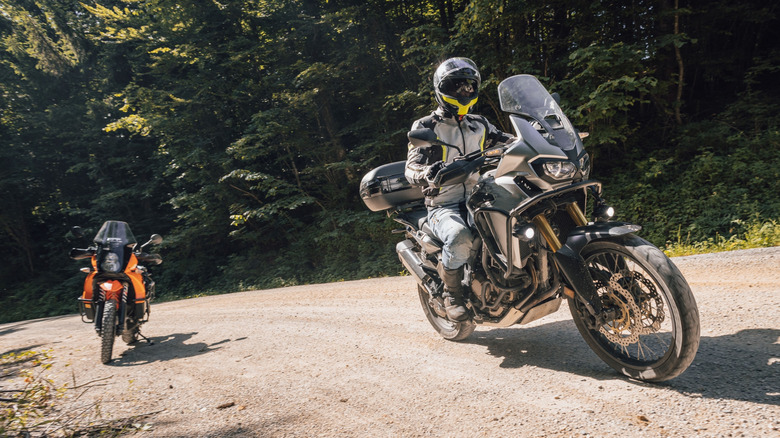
x: 359, y: 359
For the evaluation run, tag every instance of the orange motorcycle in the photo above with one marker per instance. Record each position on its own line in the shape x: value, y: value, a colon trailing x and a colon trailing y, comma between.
x: 117, y: 290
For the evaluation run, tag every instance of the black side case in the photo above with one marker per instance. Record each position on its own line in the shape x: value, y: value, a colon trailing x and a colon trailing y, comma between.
x: 386, y: 187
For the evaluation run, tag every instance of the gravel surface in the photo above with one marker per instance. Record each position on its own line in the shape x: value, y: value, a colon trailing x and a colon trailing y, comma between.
x: 359, y: 359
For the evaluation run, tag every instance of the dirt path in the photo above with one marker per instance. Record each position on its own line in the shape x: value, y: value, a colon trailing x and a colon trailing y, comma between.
x: 359, y: 359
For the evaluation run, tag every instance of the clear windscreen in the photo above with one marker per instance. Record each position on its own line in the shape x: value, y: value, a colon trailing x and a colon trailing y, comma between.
x: 115, y: 242
x: 526, y: 96
x: 115, y: 232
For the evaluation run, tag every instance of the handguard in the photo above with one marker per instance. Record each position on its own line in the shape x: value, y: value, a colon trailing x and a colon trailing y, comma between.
x: 149, y: 258
x: 81, y: 253
x: 456, y: 172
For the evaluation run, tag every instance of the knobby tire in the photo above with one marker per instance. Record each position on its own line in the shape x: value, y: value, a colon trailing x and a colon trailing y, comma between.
x: 108, y: 331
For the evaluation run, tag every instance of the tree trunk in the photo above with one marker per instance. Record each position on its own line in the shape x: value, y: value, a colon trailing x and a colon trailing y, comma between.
x: 680, y: 65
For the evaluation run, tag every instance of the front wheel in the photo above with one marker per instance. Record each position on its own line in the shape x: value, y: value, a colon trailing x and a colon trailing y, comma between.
x: 655, y: 334
x: 434, y: 311
x: 108, y: 331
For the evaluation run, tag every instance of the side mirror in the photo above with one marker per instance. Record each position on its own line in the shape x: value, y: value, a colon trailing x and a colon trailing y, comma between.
x: 155, y: 239
x: 77, y: 233
x: 422, y: 137
x: 556, y: 97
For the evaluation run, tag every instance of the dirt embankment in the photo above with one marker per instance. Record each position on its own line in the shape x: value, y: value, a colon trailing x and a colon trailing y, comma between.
x: 359, y: 359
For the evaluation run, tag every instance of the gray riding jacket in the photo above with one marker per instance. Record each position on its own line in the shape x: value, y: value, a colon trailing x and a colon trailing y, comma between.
x: 471, y: 134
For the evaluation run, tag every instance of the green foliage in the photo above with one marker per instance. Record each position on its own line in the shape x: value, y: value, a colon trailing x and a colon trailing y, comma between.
x: 753, y: 234
x: 240, y: 130
x: 616, y: 82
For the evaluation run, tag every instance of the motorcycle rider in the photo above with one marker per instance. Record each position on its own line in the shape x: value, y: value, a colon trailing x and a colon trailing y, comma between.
x: 456, y: 86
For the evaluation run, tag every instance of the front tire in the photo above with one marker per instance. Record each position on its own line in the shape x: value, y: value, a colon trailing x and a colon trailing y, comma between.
x: 449, y: 330
x: 656, y: 333
x: 108, y: 331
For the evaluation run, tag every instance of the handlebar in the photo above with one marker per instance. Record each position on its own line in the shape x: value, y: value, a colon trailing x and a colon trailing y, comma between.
x: 85, y: 253
x: 459, y: 170
x: 82, y: 253
x: 149, y: 258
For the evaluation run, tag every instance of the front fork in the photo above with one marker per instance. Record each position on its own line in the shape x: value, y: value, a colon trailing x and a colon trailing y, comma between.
x: 111, y: 290
x: 571, y: 264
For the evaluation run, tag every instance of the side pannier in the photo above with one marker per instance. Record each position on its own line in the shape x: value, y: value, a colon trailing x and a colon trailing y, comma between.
x: 386, y: 187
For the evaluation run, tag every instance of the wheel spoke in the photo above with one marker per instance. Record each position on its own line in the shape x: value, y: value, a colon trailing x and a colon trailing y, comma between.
x: 653, y: 331
x: 638, y: 333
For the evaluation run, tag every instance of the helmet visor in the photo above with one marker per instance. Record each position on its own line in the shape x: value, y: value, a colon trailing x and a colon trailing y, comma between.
x: 459, y: 88
x: 456, y: 67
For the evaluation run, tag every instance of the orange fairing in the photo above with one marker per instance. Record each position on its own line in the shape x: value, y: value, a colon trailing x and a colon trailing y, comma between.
x: 115, y: 287
x: 112, y: 289
x: 87, y: 294
x: 136, y: 278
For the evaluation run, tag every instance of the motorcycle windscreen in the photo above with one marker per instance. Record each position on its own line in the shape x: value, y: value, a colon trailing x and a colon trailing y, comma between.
x: 115, y: 241
x: 526, y: 96
x: 115, y: 231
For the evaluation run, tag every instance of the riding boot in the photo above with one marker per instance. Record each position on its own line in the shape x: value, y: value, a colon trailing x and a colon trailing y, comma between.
x: 453, y: 293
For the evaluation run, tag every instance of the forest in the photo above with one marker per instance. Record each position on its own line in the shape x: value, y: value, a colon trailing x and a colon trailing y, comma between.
x: 240, y: 130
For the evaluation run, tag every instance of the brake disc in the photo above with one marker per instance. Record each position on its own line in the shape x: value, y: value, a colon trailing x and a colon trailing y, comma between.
x: 652, y: 316
x: 627, y: 326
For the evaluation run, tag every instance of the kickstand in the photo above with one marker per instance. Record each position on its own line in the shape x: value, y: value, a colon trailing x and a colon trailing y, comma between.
x: 148, y: 341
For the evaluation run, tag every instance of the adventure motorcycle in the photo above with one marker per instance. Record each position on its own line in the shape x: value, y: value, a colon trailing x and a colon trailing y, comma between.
x: 117, y: 290
x: 536, y: 247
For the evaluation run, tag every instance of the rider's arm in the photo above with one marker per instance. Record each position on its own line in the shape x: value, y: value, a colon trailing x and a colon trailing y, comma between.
x: 418, y: 165
x: 419, y: 161
x: 495, y: 137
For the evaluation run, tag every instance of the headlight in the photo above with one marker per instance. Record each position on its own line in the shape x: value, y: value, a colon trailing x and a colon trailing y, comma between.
x: 111, y: 263
x: 559, y: 170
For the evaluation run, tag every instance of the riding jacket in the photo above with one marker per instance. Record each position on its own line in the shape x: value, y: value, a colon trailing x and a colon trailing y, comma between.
x: 470, y: 134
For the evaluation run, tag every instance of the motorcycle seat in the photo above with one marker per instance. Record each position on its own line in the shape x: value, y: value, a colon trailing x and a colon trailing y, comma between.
x: 427, y: 230
x: 418, y: 217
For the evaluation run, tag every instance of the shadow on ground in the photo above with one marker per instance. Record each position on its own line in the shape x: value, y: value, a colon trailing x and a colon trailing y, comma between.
x: 741, y: 366
x: 165, y: 348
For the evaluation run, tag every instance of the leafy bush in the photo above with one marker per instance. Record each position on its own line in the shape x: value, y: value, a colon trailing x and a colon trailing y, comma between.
x: 755, y: 234
x: 695, y: 190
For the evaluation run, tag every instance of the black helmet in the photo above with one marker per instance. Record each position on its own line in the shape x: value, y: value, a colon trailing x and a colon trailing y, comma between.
x: 456, y: 85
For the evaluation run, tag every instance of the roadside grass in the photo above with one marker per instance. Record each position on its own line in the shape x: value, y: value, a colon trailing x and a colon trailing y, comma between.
x: 33, y: 404
x: 756, y: 234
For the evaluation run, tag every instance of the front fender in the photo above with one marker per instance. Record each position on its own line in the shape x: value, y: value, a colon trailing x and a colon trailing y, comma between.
x: 581, y: 236
x: 572, y: 264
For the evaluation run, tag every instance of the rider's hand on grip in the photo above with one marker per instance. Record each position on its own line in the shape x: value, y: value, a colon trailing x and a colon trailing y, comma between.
x: 453, y: 173
x: 433, y: 170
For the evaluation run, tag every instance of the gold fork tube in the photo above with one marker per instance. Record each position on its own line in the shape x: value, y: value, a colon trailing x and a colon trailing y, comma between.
x: 547, y: 232
x: 576, y: 214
